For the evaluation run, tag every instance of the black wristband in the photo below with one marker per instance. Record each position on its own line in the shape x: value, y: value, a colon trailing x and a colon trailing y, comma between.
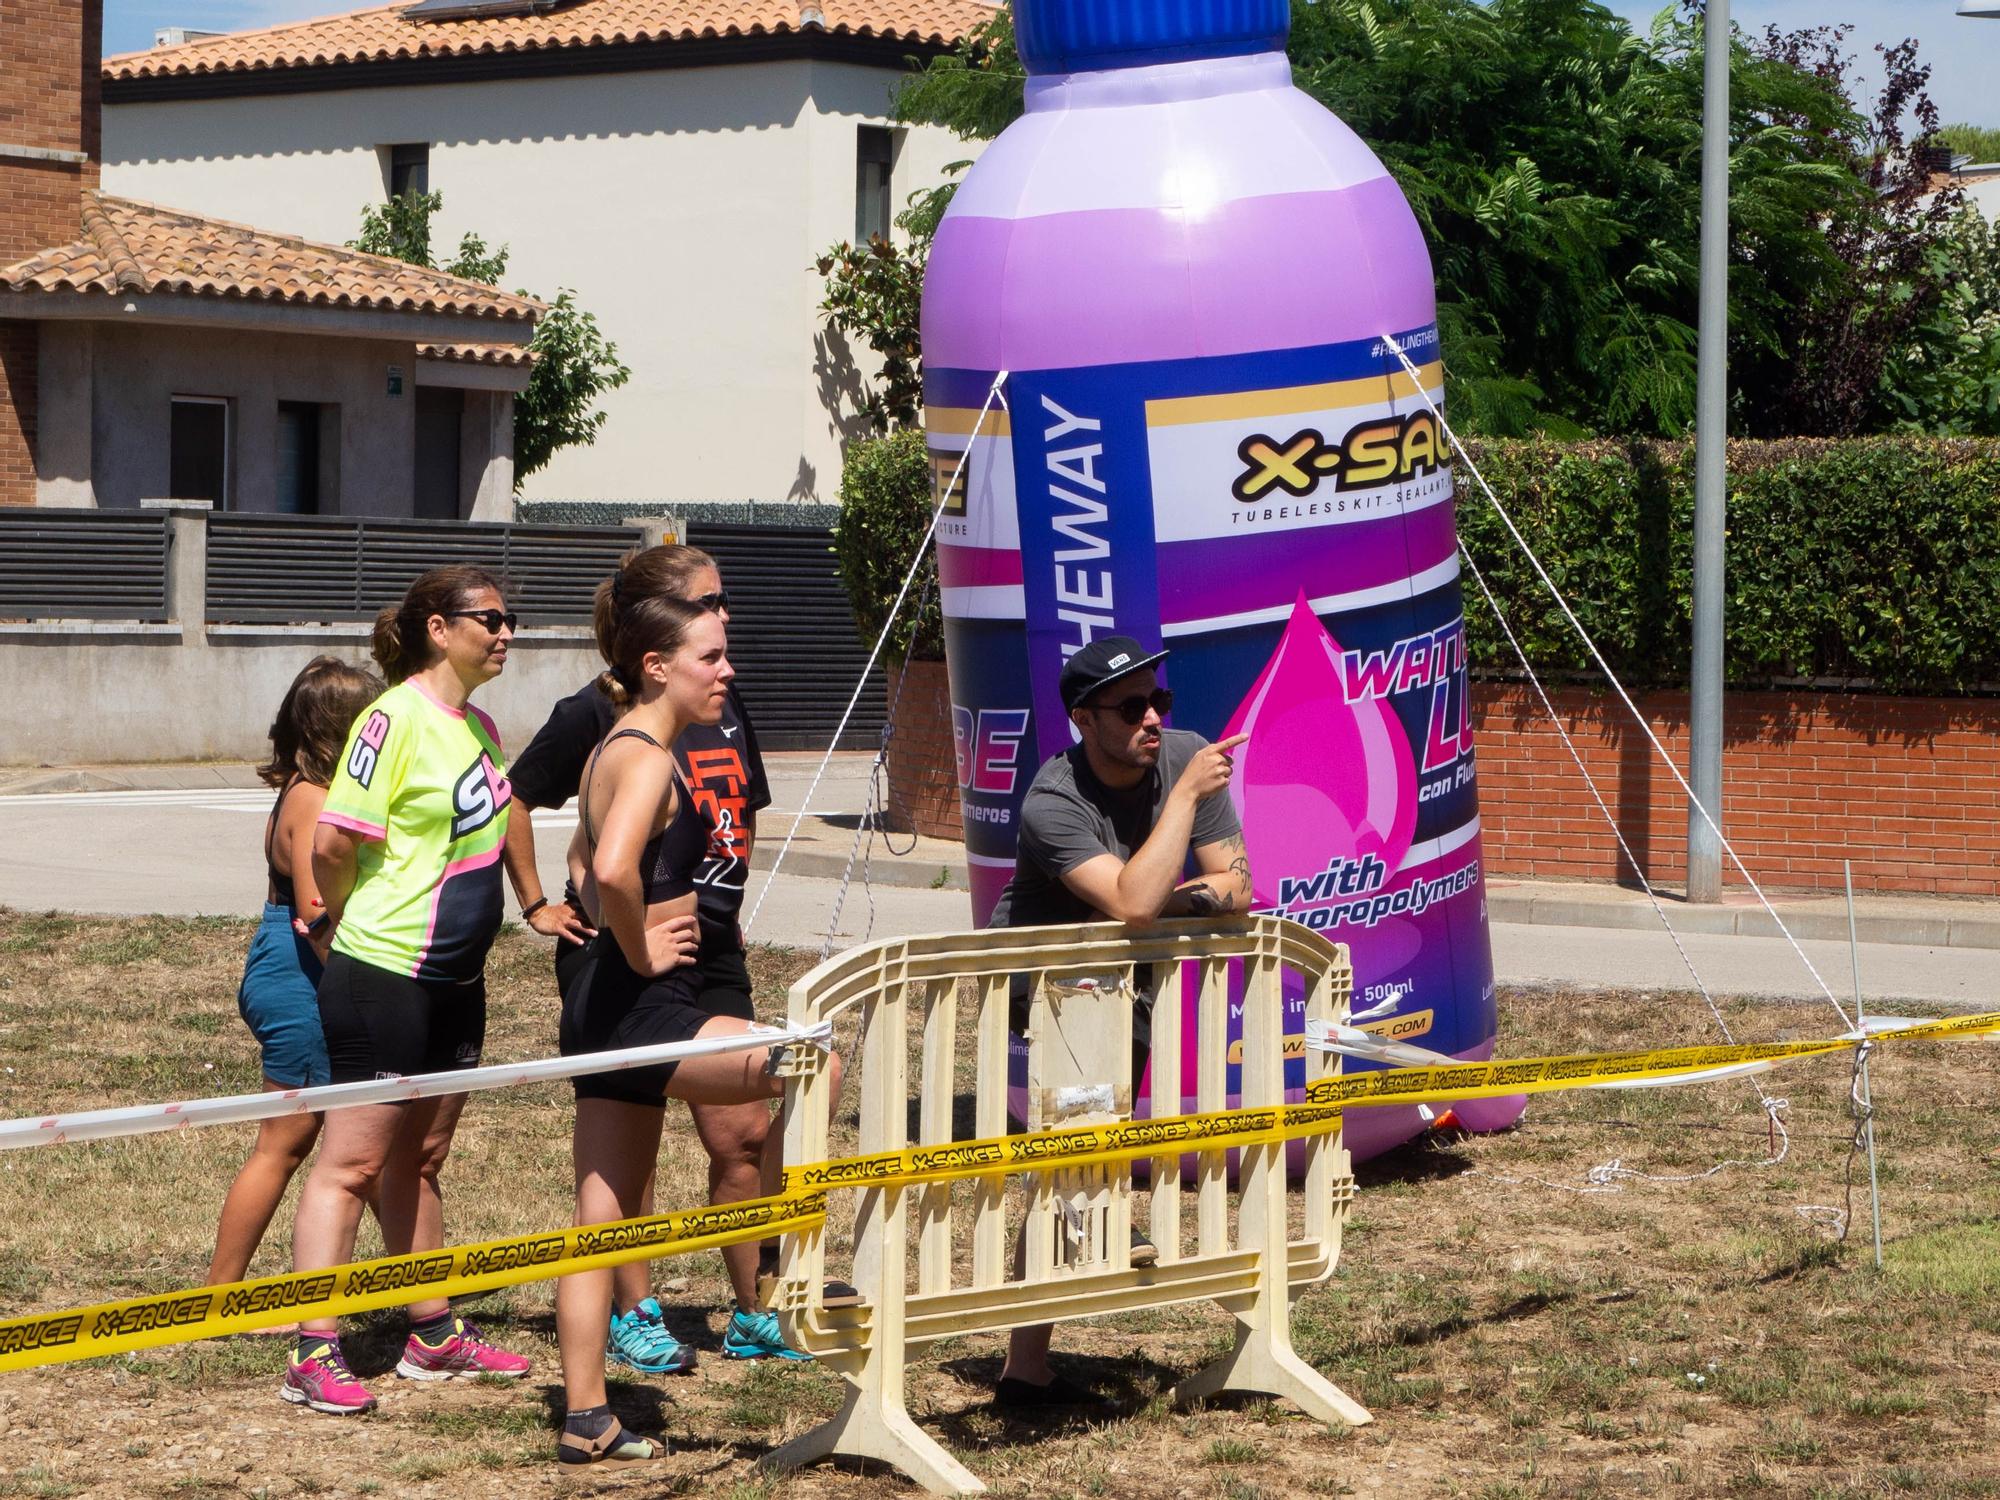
x: 318, y: 924
x: 533, y: 906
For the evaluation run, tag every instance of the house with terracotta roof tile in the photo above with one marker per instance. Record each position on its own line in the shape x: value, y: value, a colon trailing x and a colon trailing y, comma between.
x: 150, y: 353
x: 678, y: 163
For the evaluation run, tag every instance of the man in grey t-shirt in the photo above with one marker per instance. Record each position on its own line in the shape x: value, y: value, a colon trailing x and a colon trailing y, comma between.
x: 1107, y: 831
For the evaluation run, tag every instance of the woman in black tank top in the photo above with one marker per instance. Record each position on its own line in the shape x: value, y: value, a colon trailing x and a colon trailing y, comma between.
x: 277, y: 997
x: 639, y: 841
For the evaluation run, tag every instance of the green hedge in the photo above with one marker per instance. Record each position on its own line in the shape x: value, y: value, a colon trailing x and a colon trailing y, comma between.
x: 1860, y: 562
x: 885, y: 508
x: 1864, y: 562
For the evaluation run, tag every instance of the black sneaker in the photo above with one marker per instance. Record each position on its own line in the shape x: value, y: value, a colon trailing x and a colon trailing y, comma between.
x: 1144, y: 1251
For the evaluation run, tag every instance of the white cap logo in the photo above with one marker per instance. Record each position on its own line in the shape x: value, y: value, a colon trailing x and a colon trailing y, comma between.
x: 1120, y: 659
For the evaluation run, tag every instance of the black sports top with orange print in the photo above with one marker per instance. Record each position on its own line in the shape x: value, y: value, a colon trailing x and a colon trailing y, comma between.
x: 668, y: 862
x: 720, y: 763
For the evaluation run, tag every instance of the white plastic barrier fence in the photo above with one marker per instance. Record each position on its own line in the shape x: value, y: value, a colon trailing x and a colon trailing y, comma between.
x: 931, y: 1006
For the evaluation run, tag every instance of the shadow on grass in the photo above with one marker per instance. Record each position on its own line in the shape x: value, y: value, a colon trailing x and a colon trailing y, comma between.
x: 1425, y: 1159
x: 1129, y: 1382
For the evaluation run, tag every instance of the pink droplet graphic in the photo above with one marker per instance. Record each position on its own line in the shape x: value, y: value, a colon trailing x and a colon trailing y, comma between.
x: 1320, y: 779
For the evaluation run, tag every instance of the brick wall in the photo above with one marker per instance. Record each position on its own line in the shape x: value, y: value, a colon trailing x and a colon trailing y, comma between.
x: 49, y: 101
x: 923, y: 774
x: 1907, y: 788
x: 17, y: 411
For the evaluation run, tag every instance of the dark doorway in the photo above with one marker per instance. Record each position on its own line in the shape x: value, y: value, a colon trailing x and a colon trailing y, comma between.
x: 298, y: 458
x: 438, y: 417
x: 198, y: 450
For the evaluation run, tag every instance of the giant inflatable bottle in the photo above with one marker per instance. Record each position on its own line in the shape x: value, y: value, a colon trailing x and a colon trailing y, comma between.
x: 1190, y: 272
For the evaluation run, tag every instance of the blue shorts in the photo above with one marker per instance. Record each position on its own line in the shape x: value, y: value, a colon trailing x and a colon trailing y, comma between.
x: 280, y: 1004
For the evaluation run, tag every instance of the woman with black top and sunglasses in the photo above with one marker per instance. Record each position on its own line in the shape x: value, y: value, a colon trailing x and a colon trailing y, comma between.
x: 722, y: 767
x: 640, y: 843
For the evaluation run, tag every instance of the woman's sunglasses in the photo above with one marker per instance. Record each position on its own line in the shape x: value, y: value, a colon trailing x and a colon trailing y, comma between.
x: 1133, y: 709
x: 715, y: 602
x: 492, y: 619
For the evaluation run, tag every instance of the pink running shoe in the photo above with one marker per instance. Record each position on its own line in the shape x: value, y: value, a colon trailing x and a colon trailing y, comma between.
x: 322, y: 1381
x: 464, y: 1355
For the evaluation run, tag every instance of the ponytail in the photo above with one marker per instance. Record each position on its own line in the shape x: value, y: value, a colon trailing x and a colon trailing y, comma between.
x: 641, y: 609
x: 402, y: 643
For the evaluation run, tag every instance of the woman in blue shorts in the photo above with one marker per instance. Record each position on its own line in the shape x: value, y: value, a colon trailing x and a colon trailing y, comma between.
x: 278, y: 996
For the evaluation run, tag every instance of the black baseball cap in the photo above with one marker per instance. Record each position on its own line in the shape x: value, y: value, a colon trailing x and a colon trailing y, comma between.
x: 1104, y: 660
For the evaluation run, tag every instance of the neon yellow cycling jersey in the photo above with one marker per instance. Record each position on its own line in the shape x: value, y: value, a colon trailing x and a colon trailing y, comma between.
x: 424, y: 785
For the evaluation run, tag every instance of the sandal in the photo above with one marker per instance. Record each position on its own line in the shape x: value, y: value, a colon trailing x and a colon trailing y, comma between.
x: 613, y: 1446
x: 833, y: 1292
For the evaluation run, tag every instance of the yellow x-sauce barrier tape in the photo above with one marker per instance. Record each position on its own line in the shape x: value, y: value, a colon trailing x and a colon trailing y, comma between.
x: 181, y: 1317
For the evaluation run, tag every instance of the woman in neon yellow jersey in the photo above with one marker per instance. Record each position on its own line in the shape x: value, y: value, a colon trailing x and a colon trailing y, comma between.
x: 407, y: 859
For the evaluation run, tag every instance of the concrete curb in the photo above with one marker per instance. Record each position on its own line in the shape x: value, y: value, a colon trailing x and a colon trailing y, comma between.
x: 937, y: 865
x: 1931, y: 930
x: 224, y: 775
x: 1935, y: 929
x: 906, y: 870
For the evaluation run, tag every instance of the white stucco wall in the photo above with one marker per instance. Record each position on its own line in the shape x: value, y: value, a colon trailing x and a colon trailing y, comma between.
x: 1983, y: 193
x: 684, y: 206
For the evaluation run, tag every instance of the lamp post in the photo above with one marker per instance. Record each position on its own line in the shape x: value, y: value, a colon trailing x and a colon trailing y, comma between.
x: 1704, y: 844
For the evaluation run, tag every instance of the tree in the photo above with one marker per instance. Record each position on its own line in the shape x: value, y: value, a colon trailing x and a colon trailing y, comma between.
x: 1975, y: 141
x: 875, y: 292
x: 1552, y: 157
x: 1843, y: 343
x: 574, y: 363
x: 1946, y: 379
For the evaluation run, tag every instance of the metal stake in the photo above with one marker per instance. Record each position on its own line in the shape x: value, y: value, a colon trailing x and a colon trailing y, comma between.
x: 1861, y: 1069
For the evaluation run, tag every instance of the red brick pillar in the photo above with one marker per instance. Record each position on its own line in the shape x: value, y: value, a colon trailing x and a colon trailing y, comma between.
x: 51, y: 120
x: 17, y: 411
x: 923, y: 767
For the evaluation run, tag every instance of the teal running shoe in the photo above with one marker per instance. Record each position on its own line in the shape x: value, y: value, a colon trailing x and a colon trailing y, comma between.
x: 755, y: 1335
x: 640, y: 1341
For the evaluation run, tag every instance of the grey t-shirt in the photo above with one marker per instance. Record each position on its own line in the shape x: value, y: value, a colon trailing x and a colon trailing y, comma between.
x: 1069, y: 816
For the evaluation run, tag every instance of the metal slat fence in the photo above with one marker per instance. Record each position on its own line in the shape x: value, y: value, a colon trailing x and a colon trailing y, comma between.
x: 792, y: 633
x: 295, y: 569
x: 792, y: 638
x: 83, y: 564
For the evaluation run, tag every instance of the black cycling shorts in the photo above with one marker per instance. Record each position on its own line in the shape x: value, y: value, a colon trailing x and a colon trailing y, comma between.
x: 721, y: 975
x: 384, y: 1025
x: 607, y: 1006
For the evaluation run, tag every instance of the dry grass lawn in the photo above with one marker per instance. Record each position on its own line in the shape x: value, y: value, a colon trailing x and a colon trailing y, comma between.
x: 1513, y: 1337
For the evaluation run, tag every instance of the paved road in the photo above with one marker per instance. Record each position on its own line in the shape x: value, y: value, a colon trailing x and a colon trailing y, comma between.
x: 196, y: 853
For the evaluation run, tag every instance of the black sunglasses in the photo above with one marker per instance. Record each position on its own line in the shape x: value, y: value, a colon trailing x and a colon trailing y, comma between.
x: 492, y: 619
x: 717, y: 601
x: 1133, y: 709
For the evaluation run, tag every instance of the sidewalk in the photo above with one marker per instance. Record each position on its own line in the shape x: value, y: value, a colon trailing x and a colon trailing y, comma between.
x: 824, y: 841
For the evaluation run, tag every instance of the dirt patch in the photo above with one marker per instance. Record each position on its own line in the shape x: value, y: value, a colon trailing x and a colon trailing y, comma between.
x: 1514, y: 1336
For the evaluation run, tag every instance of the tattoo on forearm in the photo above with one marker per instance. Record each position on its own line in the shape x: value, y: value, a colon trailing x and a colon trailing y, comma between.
x: 1203, y: 901
x: 1239, y: 866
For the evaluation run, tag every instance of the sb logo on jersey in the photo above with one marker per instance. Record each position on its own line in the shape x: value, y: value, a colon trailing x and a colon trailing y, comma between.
x: 367, y: 753
x: 1387, y: 451
x: 477, y: 797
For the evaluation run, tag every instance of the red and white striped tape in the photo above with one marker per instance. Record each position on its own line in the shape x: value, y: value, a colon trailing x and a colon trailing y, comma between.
x: 239, y: 1109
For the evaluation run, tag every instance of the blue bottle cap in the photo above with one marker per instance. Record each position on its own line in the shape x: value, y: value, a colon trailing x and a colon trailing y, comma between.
x: 1073, y: 36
